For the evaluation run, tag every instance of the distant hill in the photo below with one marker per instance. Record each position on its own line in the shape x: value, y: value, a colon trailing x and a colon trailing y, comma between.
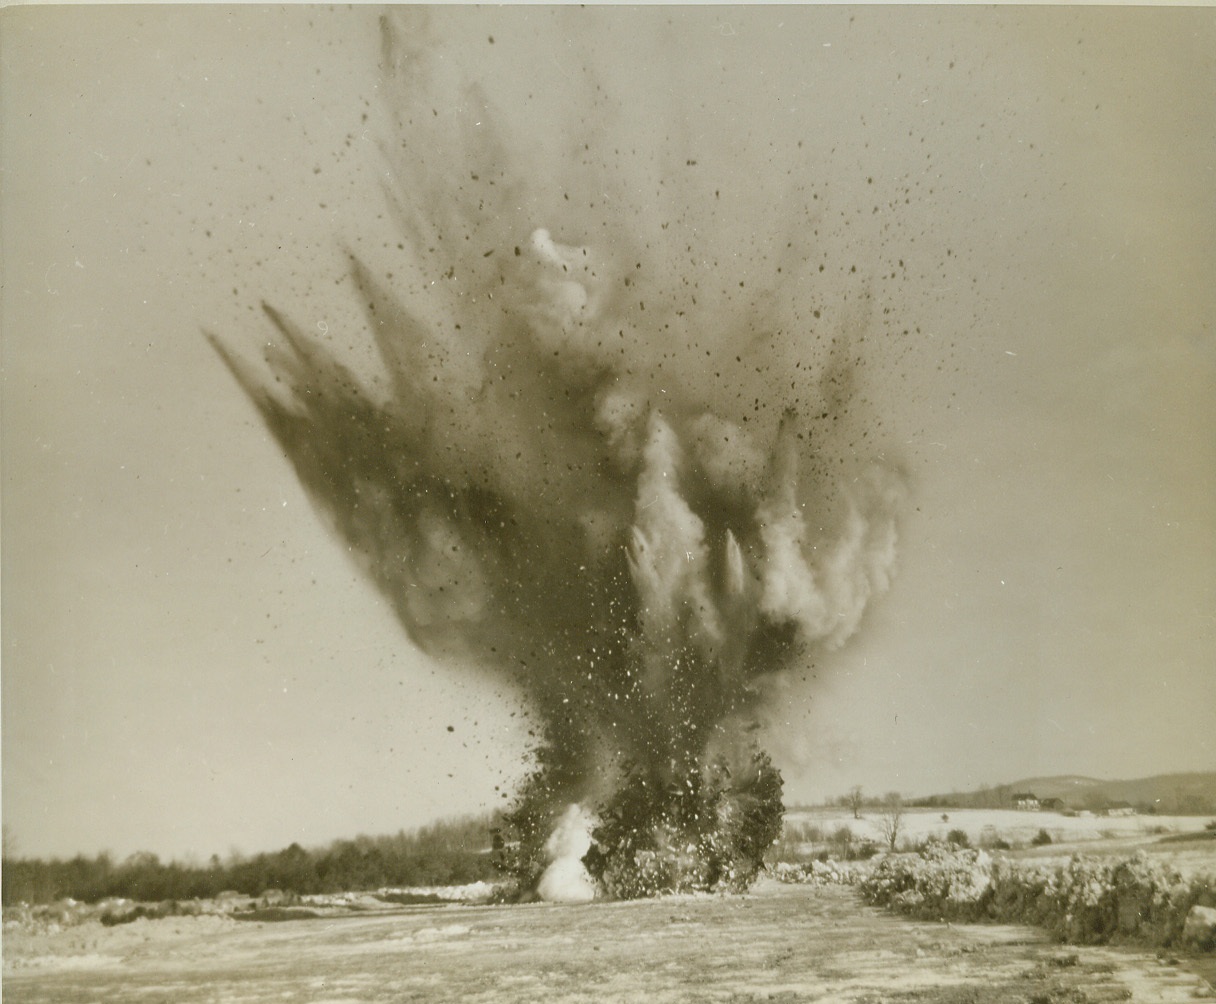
x: 1064, y: 786
x: 1180, y: 794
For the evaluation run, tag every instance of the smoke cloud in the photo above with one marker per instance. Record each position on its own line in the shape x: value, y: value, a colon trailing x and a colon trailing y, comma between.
x: 598, y: 464
x: 566, y: 879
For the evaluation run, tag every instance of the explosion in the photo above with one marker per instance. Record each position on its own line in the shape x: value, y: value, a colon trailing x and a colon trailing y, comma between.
x: 593, y: 480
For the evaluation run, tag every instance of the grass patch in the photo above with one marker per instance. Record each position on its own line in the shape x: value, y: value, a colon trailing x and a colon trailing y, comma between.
x: 410, y: 898
x: 275, y: 914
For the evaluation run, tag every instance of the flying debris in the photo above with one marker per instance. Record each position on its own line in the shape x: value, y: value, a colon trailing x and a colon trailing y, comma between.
x: 535, y: 486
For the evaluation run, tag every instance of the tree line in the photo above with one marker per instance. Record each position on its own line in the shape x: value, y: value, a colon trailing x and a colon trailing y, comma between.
x: 451, y: 852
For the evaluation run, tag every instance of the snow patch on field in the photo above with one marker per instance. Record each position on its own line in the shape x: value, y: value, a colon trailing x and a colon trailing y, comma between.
x: 1012, y: 825
x: 474, y: 892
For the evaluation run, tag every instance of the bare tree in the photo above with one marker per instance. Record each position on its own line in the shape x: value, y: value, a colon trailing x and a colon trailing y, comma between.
x: 853, y: 800
x: 891, y: 820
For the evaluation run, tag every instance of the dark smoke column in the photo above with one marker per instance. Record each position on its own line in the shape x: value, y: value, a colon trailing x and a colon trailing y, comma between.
x: 529, y: 494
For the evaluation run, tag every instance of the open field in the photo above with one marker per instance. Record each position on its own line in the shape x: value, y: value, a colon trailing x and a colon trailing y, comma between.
x: 1011, y: 825
x: 814, y: 942
x: 780, y: 943
x: 1190, y: 858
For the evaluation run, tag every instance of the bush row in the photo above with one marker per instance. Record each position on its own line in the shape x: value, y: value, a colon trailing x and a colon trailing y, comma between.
x: 820, y: 872
x: 1086, y: 901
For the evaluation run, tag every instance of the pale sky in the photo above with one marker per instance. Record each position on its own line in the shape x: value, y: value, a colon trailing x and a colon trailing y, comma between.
x: 191, y: 664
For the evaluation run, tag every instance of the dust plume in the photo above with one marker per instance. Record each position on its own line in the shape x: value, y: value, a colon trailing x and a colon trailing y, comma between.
x: 599, y: 464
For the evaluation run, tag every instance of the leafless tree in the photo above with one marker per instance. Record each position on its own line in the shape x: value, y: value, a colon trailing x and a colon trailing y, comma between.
x: 891, y: 820
x: 853, y: 800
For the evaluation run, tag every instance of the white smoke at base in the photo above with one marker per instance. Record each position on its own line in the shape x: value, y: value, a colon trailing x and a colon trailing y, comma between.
x: 566, y: 880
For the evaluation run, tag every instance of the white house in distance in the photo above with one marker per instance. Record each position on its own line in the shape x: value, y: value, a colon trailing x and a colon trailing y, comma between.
x: 1025, y: 800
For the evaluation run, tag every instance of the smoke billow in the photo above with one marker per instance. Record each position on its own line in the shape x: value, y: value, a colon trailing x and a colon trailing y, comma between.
x: 566, y: 879
x: 629, y: 494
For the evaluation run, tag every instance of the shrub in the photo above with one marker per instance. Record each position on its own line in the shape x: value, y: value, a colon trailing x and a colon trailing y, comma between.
x: 1041, y: 838
x: 821, y: 872
x: 958, y: 838
x: 808, y: 833
x: 1085, y: 901
x: 863, y: 851
x: 989, y: 842
x: 935, y: 883
x: 843, y: 838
